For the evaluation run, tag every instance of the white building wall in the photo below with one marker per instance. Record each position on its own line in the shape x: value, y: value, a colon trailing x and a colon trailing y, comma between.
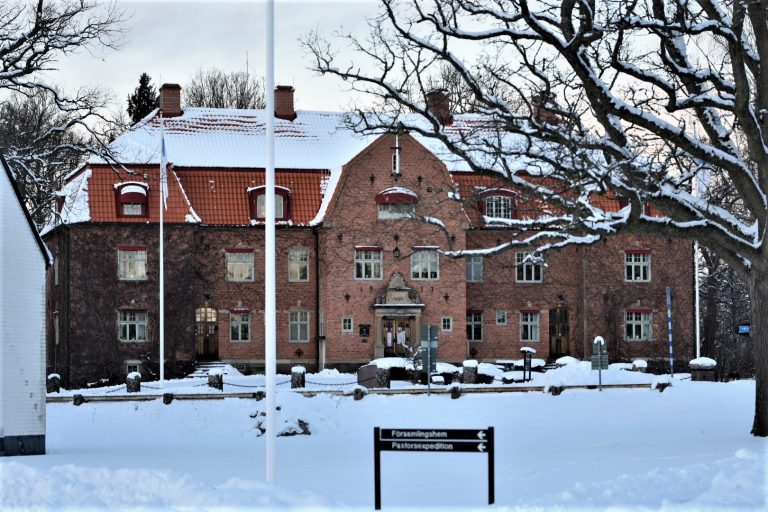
x: 22, y: 321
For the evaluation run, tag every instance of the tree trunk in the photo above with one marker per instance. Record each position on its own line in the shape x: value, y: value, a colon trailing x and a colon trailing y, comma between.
x: 758, y: 291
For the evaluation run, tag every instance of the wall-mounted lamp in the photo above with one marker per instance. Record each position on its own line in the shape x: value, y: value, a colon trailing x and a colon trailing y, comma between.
x: 347, y: 296
x: 419, y: 178
x: 372, y: 178
x: 299, y: 352
x: 473, y: 352
x: 340, y: 236
x: 453, y: 238
x: 396, y: 253
x: 446, y: 296
x: 396, y: 236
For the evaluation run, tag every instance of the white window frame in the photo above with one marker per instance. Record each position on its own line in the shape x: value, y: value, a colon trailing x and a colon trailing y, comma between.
x: 425, y: 265
x: 501, y: 317
x: 238, y: 320
x: 641, y: 323
x: 475, y: 268
x: 637, y: 267
x: 475, y: 320
x: 132, y: 362
x: 133, y: 209
x: 446, y: 320
x: 132, y: 326
x: 530, y: 327
x: 347, y: 325
x: 132, y: 264
x: 369, y: 265
x: 261, y: 206
x: 298, y: 260
x: 240, y: 266
x: 526, y: 271
x: 321, y: 327
x: 498, y: 207
x: 298, y: 320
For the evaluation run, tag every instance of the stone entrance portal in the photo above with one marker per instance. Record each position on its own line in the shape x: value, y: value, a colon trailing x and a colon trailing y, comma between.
x: 397, y: 307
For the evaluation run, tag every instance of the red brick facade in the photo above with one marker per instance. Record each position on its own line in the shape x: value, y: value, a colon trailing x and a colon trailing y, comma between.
x: 588, y: 282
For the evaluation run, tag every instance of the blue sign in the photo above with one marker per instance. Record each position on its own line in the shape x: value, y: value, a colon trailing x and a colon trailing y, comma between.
x: 743, y: 328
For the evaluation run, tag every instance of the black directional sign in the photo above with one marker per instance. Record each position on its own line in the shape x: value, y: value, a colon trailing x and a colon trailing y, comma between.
x: 431, y: 440
x: 433, y: 434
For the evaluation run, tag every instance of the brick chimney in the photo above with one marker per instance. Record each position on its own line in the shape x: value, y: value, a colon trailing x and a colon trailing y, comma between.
x: 170, y: 100
x: 438, y: 104
x: 284, y: 103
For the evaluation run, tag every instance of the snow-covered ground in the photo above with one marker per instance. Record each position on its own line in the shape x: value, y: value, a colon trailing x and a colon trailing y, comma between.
x: 686, y: 448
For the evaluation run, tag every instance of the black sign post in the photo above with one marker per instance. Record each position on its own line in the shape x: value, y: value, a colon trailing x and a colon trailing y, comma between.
x: 431, y: 440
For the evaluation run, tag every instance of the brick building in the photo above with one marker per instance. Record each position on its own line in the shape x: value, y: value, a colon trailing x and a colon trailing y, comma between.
x: 354, y: 267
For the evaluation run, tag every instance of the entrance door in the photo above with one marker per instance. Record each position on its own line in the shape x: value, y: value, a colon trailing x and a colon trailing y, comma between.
x: 396, y: 332
x: 558, y: 332
x: 206, y: 341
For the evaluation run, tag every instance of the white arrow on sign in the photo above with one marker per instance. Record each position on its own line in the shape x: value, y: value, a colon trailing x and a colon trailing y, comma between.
x: 481, y: 435
x: 481, y: 447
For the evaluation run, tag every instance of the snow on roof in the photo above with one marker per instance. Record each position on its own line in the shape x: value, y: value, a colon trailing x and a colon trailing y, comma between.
x: 397, y: 190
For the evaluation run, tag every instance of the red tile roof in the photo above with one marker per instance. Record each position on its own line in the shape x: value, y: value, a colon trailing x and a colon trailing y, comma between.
x: 217, y: 196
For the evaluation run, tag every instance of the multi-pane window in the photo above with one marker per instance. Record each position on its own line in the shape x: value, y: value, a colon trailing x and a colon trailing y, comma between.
x: 390, y: 211
x: 499, y: 207
x: 527, y: 271
x: 529, y: 326
x: 298, y: 326
x: 261, y: 206
x: 368, y: 264
x: 132, y: 264
x: 321, y: 332
x: 447, y: 324
x: 637, y: 325
x: 298, y: 265
x: 133, y: 209
x: 637, y: 266
x: 239, y: 326
x: 474, y: 326
x: 240, y: 266
x: 347, y: 324
x: 132, y: 325
x: 501, y: 317
x: 474, y: 269
x: 425, y: 265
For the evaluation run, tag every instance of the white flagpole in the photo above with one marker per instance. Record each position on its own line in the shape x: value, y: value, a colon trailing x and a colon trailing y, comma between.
x: 163, y: 194
x: 270, y: 324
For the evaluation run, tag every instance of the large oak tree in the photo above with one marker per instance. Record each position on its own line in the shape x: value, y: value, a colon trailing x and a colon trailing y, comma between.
x: 643, y: 98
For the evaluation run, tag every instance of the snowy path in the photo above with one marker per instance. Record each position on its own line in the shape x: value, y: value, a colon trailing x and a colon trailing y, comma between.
x: 688, y: 447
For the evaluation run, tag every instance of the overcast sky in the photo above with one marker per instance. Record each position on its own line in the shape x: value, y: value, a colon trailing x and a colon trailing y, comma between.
x: 173, y: 39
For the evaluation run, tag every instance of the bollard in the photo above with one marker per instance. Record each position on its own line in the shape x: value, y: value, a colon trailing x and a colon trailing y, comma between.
x: 260, y: 395
x: 555, y: 390
x: 298, y: 377
x: 455, y: 392
x: 53, y: 383
x: 470, y: 371
x: 167, y: 398
x: 359, y: 393
x: 661, y: 386
x: 133, y: 382
x: 216, y: 379
x: 78, y: 400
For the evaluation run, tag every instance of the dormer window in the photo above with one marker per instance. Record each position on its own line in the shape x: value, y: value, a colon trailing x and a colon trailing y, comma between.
x: 131, y: 199
x: 497, y: 204
x: 396, y: 203
x: 257, y: 200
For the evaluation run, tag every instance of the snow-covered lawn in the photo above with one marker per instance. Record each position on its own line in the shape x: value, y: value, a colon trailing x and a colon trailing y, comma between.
x: 688, y: 448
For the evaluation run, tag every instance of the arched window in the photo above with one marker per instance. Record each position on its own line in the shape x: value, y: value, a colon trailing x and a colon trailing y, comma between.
x: 131, y: 199
x: 257, y: 201
x: 497, y: 204
x: 396, y: 203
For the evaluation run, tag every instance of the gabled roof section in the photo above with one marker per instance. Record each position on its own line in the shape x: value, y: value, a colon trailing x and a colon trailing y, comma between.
x: 44, y: 252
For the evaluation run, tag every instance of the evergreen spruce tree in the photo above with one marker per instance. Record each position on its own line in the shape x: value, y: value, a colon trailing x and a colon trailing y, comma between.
x: 143, y: 100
